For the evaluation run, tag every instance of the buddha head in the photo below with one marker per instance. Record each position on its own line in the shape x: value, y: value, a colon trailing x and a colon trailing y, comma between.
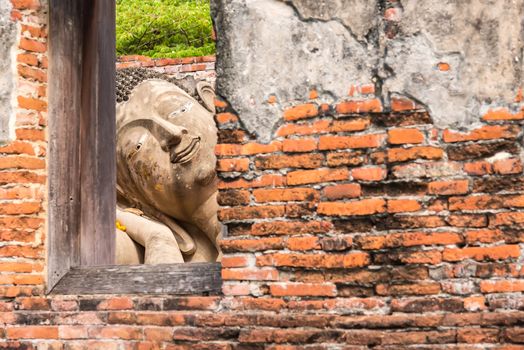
x: 165, y: 151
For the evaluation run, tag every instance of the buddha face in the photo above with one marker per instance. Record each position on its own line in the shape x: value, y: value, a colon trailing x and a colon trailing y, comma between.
x: 165, y: 149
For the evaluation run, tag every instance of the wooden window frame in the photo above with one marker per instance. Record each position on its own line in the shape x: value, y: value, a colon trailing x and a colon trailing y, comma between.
x: 82, y: 168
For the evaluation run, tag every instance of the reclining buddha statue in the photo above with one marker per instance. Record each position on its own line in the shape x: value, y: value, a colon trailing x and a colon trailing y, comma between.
x: 166, y: 179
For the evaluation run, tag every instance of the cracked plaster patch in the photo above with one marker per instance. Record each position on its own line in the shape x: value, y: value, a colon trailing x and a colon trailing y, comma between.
x: 8, y: 35
x: 286, y: 47
x: 265, y: 49
x: 481, y: 40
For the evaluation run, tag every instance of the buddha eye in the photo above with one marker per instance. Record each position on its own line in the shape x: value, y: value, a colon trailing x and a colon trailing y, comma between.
x: 185, y: 108
x: 139, y: 144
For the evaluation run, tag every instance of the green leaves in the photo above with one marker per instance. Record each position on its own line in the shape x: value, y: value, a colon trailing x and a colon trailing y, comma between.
x: 164, y: 28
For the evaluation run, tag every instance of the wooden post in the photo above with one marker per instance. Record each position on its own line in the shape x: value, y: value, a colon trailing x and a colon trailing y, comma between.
x: 82, y: 170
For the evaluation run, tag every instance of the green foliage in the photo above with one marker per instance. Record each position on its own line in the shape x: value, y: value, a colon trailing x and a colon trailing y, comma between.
x: 164, y: 28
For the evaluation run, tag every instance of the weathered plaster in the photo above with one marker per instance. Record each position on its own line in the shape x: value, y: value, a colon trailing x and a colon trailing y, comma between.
x: 286, y: 47
x: 266, y: 49
x: 481, y: 40
x: 8, y: 34
x: 359, y: 16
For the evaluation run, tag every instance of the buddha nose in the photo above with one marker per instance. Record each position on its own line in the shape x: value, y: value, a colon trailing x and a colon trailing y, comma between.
x: 171, y: 134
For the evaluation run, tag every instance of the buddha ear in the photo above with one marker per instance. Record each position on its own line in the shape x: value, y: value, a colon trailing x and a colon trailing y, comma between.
x: 206, y: 92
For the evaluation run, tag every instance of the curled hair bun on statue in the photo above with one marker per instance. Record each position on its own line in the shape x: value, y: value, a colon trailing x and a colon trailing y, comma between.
x: 128, y: 78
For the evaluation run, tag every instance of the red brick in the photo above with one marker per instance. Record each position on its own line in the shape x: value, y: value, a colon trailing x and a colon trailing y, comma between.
x: 408, y: 239
x: 20, y: 162
x: 358, y: 124
x: 285, y: 195
x: 33, y: 332
x: 488, y: 132
x: 301, y: 177
x: 21, y: 251
x: 250, y: 274
x: 304, y: 111
x: 30, y: 134
x: 342, y: 191
x: 367, y: 89
x: 338, y: 243
x: 21, y: 279
x: 402, y: 136
x: 363, y: 207
x: 475, y: 303
x: 192, y: 68
x: 26, y: 4
x: 234, y: 198
x: 329, y: 261
x: 34, y: 31
x: 358, y: 141
x: 20, y: 267
x: 335, y: 159
x: 299, y: 145
x: 158, y: 334
x: 450, y: 187
x: 262, y: 181
x: 251, y: 245
x: 235, y: 289
x: 72, y: 332
x: 507, y: 166
x: 502, y: 286
x: 290, y: 227
x: 20, y: 208
x: 421, y: 257
x: 116, y: 303
x: 235, y: 261
x: 427, y: 288
x: 224, y: 118
x: 258, y: 212
x: 64, y: 305
x: 115, y: 332
x: 21, y: 222
x: 363, y: 106
x: 300, y: 161
x: 402, y: 104
x: 482, y: 253
x: 443, y: 66
x: 482, y: 202
x: 32, y: 103
x: 403, y: 205
x: 303, y: 243
x: 317, y: 127
x: 220, y: 103
x: 32, y: 45
x: 484, y: 236
x: 36, y: 303
x: 507, y: 219
x: 313, y: 94
x: 27, y: 58
x: 234, y: 164
x: 258, y: 148
x: 503, y: 114
x: 369, y: 174
x: 303, y: 289
x: 32, y: 73
x: 478, y: 336
x: 468, y: 220
x: 423, y: 152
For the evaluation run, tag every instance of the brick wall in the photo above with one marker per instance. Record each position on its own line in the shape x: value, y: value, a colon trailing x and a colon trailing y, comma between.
x: 200, y: 68
x: 355, y: 228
